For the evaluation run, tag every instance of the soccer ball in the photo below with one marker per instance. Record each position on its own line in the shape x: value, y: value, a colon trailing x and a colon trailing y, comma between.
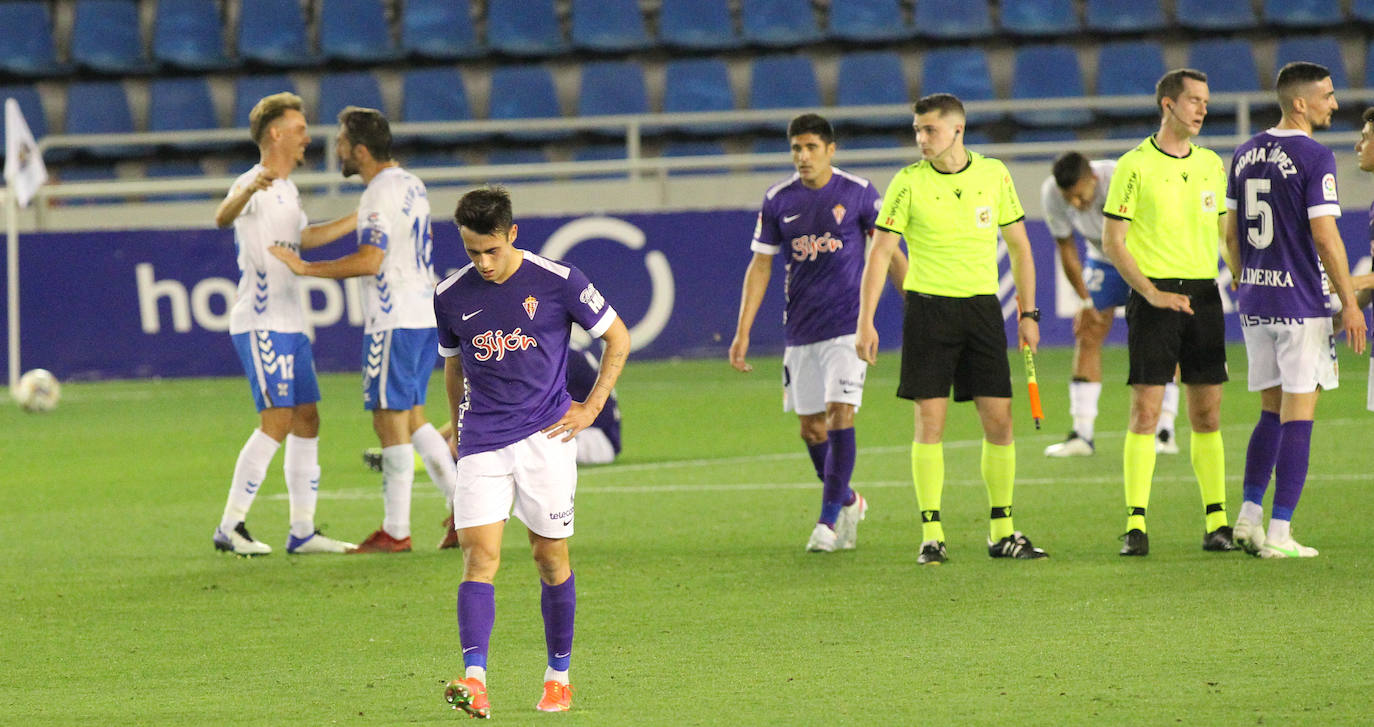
x: 38, y: 390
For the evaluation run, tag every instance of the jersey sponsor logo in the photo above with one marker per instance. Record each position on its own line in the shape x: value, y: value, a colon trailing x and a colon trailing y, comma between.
x: 1209, y: 201
x: 838, y: 210
x: 1267, y: 278
x: 1329, y: 187
x: 592, y: 297
x: 1271, y: 321
x: 807, y: 247
x: 790, y: 218
x: 561, y: 515
x: 983, y: 217
x: 498, y: 343
x: 530, y: 305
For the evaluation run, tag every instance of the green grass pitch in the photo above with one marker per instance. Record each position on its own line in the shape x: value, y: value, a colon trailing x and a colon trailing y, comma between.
x: 697, y: 603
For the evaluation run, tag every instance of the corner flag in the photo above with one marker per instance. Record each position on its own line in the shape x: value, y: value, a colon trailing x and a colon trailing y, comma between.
x: 24, y: 168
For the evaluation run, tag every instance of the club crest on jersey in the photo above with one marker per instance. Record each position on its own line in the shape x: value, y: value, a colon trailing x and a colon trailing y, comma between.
x: 838, y: 210
x: 498, y: 343
x: 531, y: 305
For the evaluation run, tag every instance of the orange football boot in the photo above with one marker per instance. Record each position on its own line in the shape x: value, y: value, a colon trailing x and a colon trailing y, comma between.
x: 450, y: 535
x: 469, y: 695
x: 382, y: 542
x: 557, y: 697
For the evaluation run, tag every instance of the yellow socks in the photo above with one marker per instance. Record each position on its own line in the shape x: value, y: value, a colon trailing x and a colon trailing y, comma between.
x: 1139, y: 464
x: 928, y: 473
x: 999, y: 474
x: 1209, y: 464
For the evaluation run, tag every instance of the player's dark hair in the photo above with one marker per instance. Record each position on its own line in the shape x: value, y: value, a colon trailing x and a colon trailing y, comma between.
x: 368, y: 128
x: 811, y: 124
x: 945, y: 103
x: 1070, y: 167
x: 1368, y: 115
x: 484, y: 211
x: 1170, y: 85
x: 1295, y: 75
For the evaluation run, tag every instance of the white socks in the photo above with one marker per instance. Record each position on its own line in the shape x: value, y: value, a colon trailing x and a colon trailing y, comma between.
x: 1251, y: 511
x: 1168, y: 411
x: 552, y: 675
x: 476, y: 672
x: 434, y: 452
x: 249, y: 471
x: 302, y: 468
x: 1083, y: 397
x: 398, y: 476
x: 1278, y: 531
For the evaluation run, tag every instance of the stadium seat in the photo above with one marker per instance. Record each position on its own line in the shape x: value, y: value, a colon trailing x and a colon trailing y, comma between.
x: 519, y: 155
x: 612, y: 87
x: 106, y: 37
x: 338, y: 90
x: 1124, y: 16
x: 1303, y: 13
x: 953, y: 19
x: 86, y: 173
x: 779, y: 23
x: 1129, y: 68
x: 1040, y: 17
x: 1048, y: 71
x: 418, y: 162
x: 962, y: 72
x: 608, y: 26
x: 599, y: 153
x: 434, y: 94
x: 177, y: 168
x: 188, y: 35
x: 1230, y: 68
x: 182, y: 104
x: 1362, y: 10
x: 1324, y: 50
x: 694, y: 149
x: 783, y: 82
x: 772, y: 145
x: 871, y: 141
x: 26, y: 41
x: 525, y: 92
x: 1213, y: 15
x: 869, y: 21
x: 1064, y: 137
x: 1136, y: 132
x: 440, y: 30
x: 31, y: 105
x: 697, y: 25
x: 355, y: 31
x: 101, y: 107
x: 700, y: 84
x: 248, y: 90
x: 872, y: 78
x: 272, y: 33
x: 524, y: 28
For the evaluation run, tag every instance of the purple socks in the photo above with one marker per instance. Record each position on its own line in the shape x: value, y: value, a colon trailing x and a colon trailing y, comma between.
x: 839, y: 466
x: 559, y: 605
x: 476, y: 615
x: 818, y: 453
x: 1290, y: 473
x: 1261, y: 455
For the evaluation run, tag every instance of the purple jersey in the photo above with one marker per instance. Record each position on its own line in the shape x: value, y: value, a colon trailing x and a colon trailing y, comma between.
x: 513, y: 339
x: 1280, y: 179
x: 824, y: 231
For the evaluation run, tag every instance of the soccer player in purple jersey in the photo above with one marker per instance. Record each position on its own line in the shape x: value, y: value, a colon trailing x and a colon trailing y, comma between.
x: 1282, y: 187
x: 1364, y: 149
x: 504, y: 324
x: 824, y: 216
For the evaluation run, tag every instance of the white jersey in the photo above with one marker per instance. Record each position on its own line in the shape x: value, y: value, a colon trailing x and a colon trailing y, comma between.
x: 268, y: 295
x: 394, y: 215
x: 1063, y: 218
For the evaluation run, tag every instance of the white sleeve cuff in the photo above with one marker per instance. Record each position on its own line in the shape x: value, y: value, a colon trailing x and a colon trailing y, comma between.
x: 1323, y: 210
x: 449, y: 352
x: 604, y: 324
x: 1232, y: 204
x: 765, y: 248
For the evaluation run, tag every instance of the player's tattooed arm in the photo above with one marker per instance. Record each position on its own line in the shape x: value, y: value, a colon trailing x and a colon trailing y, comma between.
x: 580, y: 415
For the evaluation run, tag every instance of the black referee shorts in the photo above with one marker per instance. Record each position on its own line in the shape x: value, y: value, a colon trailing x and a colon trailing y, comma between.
x: 957, y: 342
x: 1159, y: 339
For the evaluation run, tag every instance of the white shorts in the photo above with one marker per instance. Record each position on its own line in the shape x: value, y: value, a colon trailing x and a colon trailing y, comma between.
x: 1297, y: 354
x: 819, y: 373
x: 536, y: 475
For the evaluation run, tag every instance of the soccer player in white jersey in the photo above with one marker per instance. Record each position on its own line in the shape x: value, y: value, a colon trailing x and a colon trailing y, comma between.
x: 1072, y: 197
x: 399, y: 342
x: 267, y: 326
x: 1282, y: 187
x: 504, y: 325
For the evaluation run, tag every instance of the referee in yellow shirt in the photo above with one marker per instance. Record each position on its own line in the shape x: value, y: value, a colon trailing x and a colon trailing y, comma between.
x: 1163, y: 231
x: 950, y: 206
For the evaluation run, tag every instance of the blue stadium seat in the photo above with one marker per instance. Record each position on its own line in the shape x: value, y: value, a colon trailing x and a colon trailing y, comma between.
x: 1324, y: 50
x: 699, y: 84
x: 698, y: 25
x: 248, y: 90
x: 783, y: 82
x: 599, y: 153
x: 1065, y: 137
x: 355, y: 31
x: 520, y: 155
x: 525, y: 92
x: 1136, y: 132
x: 953, y: 19
x: 273, y: 33
x: 962, y: 72
x: 188, y: 35
x: 1048, y: 71
x: 1124, y: 16
x: 1040, y: 17
x: 86, y: 173
x: 31, y: 105
x: 106, y: 37
x: 694, y: 149
x: 1213, y: 15
x: 1229, y: 65
x: 440, y: 30
x: 608, y: 26
x: 612, y: 87
x: 872, y: 141
x: 1303, y: 13
x: 101, y: 107
x: 182, y: 104
x: 26, y: 45
x: 434, y: 94
x: 175, y: 169
x: 869, y: 20
x: 419, y: 161
x: 337, y: 90
x: 772, y: 145
x: 1129, y: 68
x: 1362, y: 10
x: 779, y: 23
x: 873, y: 78
x: 524, y: 28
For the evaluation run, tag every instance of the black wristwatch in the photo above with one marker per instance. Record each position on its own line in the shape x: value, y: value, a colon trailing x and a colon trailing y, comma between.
x: 1033, y: 314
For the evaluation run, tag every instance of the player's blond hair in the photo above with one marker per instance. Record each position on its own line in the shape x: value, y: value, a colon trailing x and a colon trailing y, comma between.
x: 269, y: 109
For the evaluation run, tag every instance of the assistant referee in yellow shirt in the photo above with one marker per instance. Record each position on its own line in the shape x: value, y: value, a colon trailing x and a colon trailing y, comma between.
x: 1163, y: 232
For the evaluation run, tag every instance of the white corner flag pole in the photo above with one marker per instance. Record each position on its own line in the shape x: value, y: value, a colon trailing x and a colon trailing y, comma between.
x: 24, y: 174
x: 12, y: 280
